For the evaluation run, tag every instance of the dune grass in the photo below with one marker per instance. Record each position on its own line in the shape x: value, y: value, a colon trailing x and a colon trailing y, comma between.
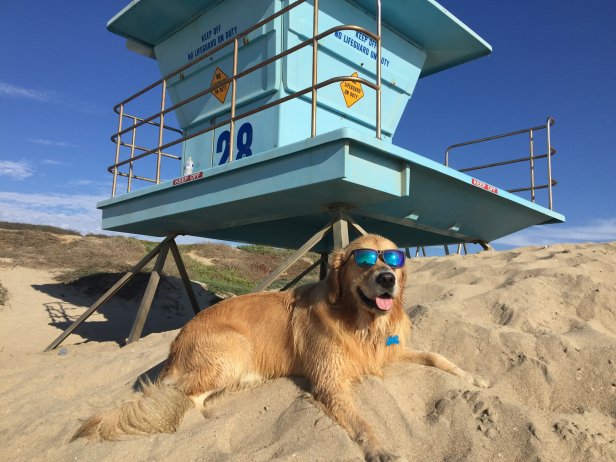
x: 220, y: 267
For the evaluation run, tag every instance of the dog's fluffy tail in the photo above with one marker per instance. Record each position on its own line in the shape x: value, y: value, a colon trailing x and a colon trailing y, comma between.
x: 159, y: 409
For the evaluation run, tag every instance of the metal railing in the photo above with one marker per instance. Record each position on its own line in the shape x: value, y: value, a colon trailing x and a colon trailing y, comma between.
x: 531, y: 158
x: 461, y: 248
x: 132, y: 146
x: 161, y: 147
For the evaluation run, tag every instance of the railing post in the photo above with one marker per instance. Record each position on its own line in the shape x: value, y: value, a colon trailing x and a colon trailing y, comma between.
x: 117, y: 154
x: 315, y: 51
x: 532, y: 166
x: 132, y: 154
x: 378, y: 69
x: 160, y: 130
x: 233, y: 96
x: 547, y: 128
x: 531, y: 159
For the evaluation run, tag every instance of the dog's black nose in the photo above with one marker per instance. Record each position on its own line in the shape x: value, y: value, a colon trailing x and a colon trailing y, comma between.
x: 386, y: 279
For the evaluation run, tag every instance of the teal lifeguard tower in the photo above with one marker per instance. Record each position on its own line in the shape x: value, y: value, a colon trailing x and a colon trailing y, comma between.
x: 286, y: 113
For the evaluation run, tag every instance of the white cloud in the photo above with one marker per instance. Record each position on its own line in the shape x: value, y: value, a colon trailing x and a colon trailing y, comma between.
x: 77, y: 212
x: 16, y: 170
x: 74, y: 212
x: 66, y: 201
x: 51, y: 162
x: 599, y: 230
x: 9, y: 90
x: 61, y: 144
x: 13, y: 91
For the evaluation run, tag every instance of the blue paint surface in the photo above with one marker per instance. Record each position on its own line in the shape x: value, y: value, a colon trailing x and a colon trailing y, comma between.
x: 277, y: 189
x: 418, y: 38
x: 279, y: 198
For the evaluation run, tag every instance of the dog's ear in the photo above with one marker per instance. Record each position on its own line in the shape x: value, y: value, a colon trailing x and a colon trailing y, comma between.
x: 333, y: 276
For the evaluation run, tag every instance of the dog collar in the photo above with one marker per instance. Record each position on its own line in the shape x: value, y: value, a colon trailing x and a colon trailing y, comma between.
x: 392, y: 340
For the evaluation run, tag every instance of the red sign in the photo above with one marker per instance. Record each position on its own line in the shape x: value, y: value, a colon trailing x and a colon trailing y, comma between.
x: 486, y: 186
x: 188, y: 178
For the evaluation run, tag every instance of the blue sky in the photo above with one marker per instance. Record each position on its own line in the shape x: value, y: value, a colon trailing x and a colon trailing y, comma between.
x: 61, y: 73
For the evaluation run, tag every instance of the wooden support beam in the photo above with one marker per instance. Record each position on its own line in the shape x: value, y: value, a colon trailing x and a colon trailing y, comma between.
x: 184, y: 275
x: 148, y: 297
x: 301, y: 275
x: 361, y: 230
x: 299, y: 253
x: 462, y: 246
x: 485, y: 245
x: 340, y: 229
x: 339, y: 226
x: 110, y: 293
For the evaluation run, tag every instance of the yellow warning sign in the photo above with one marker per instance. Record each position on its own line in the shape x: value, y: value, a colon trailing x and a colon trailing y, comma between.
x: 352, y: 91
x: 221, y: 92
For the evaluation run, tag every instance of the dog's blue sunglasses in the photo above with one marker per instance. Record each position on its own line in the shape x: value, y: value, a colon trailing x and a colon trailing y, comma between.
x: 368, y: 257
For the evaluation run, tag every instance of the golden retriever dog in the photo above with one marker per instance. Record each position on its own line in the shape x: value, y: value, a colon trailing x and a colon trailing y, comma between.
x: 332, y: 332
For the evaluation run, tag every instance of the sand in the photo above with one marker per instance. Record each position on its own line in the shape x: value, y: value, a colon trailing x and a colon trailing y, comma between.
x: 539, y: 323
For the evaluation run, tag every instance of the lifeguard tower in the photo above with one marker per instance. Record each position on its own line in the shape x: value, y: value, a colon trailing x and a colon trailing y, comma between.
x: 286, y: 112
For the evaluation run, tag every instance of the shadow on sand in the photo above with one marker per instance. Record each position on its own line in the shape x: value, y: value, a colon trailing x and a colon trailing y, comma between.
x: 170, y: 310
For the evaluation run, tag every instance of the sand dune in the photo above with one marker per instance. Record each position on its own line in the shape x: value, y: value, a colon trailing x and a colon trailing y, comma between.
x: 539, y: 323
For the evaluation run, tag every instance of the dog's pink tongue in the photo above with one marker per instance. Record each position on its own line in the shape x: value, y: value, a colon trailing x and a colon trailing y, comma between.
x: 384, y: 303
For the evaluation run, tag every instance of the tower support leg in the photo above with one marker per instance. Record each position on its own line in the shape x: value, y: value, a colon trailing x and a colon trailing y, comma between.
x: 485, y: 245
x: 339, y: 227
x: 161, y: 251
x: 184, y: 275
x: 299, y: 253
x: 148, y: 297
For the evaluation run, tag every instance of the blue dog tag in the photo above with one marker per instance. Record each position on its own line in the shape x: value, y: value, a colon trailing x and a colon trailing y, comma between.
x: 392, y: 340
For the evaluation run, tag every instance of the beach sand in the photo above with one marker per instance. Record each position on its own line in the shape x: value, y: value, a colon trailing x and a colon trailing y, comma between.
x: 538, y: 322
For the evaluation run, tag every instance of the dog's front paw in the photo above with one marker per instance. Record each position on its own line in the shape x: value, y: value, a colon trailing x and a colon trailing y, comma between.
x: 470, y: 378
x: 380, y: 455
